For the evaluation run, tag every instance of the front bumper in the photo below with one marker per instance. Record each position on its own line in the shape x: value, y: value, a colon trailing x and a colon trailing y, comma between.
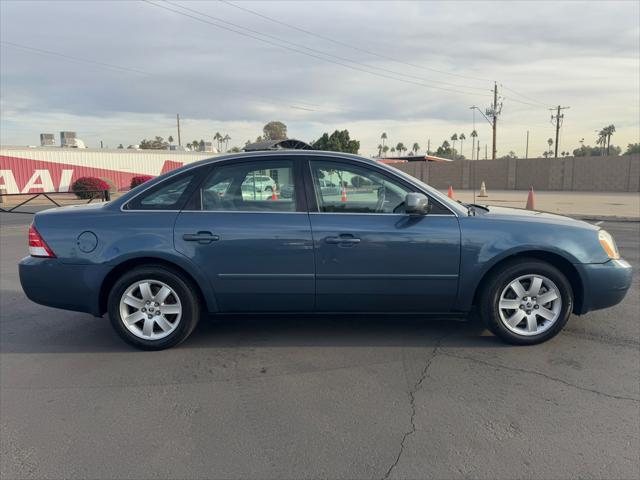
x: 50, y: 282
x: 605, y: 284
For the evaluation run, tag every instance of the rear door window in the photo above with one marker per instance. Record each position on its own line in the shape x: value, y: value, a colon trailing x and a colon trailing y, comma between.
x: 267, y: 186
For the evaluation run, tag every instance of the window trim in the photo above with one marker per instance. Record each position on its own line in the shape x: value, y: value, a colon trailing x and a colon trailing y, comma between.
x: 296, y: 170
x: 312, y: 194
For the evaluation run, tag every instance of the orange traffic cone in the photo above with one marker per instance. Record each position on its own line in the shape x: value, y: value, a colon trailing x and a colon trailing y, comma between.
x: 274, y: 194
x: 344, y: 195
x: 450, y: 193
x: 531, y: 200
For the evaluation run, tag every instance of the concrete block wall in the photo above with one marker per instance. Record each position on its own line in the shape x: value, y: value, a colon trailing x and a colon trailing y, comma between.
x: 581, y: 174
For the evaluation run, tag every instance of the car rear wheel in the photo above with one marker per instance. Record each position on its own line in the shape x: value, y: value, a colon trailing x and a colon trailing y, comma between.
x: 526, y: 302
x: 153, y: 308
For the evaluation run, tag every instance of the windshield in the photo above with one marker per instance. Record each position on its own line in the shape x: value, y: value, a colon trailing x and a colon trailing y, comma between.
x: 453, y: 205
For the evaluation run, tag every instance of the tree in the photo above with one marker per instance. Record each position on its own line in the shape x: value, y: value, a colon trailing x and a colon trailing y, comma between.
x: 588, y: 151
x: 462, y: 138
x: 226, y: 139
x: 444, y: 150
x: 338, y: 141
x: 393, y: 150
x: 400, y: 148
x: 274, y: 131
x: 170, y: 139
x: 606, y: 133
x: 474, y: 134
x: 380, y: 147
x: 602, y: 140
x: 385, y: 149
x: 120, y: 146
x: 454, y: 139
x: 509, y: 155
x: 157, y: 143
x: 415, y: 147
x: 218, y: 139
x: 383, y: 137
x: 632, y: 148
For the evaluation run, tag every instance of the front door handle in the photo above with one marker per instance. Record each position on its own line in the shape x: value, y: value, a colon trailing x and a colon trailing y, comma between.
x: 202, y: 238
x: 344, y: 239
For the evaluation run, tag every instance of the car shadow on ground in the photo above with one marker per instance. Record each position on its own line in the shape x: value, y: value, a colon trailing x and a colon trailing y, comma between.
x: 55, y: 331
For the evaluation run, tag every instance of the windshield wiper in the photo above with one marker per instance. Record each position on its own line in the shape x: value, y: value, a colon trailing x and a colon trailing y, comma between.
x: 471, y: 208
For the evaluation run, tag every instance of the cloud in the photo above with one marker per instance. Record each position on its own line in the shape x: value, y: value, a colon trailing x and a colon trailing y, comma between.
x: 583, y: 54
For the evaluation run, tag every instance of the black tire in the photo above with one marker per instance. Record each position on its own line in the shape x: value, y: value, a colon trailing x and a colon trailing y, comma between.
x: 498, y: 281
x: 181, y: 286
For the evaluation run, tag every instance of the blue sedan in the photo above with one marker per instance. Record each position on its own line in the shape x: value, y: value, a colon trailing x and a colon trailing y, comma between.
x: 379, y: 241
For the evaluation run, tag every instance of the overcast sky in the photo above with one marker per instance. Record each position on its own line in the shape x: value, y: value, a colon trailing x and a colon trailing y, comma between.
x: 411, y: 69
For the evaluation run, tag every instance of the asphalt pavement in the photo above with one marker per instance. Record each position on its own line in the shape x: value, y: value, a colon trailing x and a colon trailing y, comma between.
x: 316, y: 397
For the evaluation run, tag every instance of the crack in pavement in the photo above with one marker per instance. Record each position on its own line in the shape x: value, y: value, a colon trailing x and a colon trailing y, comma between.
x: 412, y: 399
x: 544, y: 375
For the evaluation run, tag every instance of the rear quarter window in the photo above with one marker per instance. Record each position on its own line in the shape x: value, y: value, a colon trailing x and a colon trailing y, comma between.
x: 170, y: 194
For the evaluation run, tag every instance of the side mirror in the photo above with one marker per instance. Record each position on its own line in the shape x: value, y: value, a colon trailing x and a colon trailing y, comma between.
x: 416, y: 204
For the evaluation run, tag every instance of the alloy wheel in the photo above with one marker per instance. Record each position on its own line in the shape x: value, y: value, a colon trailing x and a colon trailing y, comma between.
x: 530, y: 305
x: 150, y: 309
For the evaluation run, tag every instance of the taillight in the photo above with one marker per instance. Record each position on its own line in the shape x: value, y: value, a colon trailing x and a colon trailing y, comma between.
x: 37, y: 245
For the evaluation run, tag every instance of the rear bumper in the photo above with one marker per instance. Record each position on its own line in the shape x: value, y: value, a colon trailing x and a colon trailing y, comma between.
x: 605, y: 284
x: 50, y: 282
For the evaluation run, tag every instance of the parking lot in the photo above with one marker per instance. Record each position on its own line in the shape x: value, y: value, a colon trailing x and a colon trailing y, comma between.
x: 316, y: 397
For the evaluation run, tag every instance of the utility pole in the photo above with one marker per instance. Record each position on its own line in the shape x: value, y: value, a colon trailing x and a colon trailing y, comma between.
x: 495, y: 118
x: 558, y: 117
x: 491, y: 116
x: 526, y: 153
x: 478, y: 151
x: 428, y: 146
x: 178, y: 122
x: 485, y: 151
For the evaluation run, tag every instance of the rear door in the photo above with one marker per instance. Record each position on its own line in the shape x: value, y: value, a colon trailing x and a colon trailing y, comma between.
x: 253, y: 242
x: 370, y: 255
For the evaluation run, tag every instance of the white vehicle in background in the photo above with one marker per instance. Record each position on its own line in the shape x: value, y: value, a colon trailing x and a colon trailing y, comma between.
x: 259, y: 183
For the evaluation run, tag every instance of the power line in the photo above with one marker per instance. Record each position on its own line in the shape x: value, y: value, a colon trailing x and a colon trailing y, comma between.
x: 525, y: 96
x: 117, y: 68
x: 320, y: 52
x: 41, y: 51
x: 348, y: 45
x: 386, y: 57
x: 302, y: 52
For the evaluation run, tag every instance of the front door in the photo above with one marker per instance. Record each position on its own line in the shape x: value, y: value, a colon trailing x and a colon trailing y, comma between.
x: 249, y: 231
x: 370, y: 255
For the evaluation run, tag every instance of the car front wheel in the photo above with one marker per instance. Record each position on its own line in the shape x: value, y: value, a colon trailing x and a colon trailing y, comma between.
x: 526, y: 302
x: 153, y: 308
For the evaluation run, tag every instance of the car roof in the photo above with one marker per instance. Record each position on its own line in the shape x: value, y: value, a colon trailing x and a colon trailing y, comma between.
x: 266, y: 154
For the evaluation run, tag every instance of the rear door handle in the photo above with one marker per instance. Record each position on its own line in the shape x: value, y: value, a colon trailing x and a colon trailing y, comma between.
x: 202, y: 238
x: 344, y: 239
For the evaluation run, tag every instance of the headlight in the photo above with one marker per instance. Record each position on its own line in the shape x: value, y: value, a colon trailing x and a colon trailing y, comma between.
x: 608, y: 244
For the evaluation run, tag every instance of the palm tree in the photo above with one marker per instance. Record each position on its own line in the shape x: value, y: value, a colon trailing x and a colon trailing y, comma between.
x: 226, y: 139
x: 400, y: 148
x: 550, y: 142
x: 610, y: 130
x: 380, y: 150
x: 385, y: 149
x: 393, y: 150
x: 602, y: 140
x: 454, y: 139
x: 383, y: 137
x: 474, y: 134
x: 462, y: 138
x: 415, y: 148
x: 170, y: 139
x: 218, y: 138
